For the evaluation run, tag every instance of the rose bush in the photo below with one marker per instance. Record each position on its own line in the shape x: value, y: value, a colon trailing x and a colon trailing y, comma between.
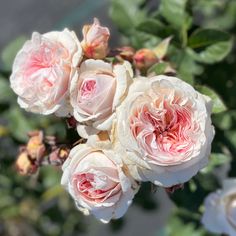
x: 164, y: 125
x: 96, y: 92
x: 43, y: 69
x: 220, y: 209
x: 98, y: 182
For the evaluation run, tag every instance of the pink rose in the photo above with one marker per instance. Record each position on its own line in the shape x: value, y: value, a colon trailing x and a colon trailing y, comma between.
x: 43, y: 69
x: 95, y: 42
x: 165, y: 127
x: 98, y: 182
x: 96, y: 92
x: 220, y: 209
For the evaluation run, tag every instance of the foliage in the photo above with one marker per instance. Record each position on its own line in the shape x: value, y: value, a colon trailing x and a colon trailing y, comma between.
x: 38, y: 206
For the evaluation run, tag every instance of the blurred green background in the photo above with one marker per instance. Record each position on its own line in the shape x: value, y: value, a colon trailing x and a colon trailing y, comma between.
x: 38, y: 205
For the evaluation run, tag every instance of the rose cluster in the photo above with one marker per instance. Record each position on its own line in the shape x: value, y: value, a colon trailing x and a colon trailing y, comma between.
x: 137, y: 128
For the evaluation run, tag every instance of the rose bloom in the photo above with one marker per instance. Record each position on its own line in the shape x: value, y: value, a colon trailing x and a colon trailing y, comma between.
x: 98, y: 182
x: 96, y: 92
x: 220, y: 209
x: 95, y: 41
x: 165, y: 127
x: 43, y: 69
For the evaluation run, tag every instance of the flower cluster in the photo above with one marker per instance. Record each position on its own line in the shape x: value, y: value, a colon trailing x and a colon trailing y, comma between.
x: 137, y: 128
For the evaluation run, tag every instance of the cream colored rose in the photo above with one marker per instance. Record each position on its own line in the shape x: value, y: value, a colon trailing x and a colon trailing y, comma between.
x: 96, y: 92
x: 42, y: 71
x: 98, y: 182
x: 164, y: 125
x: 220, y: 209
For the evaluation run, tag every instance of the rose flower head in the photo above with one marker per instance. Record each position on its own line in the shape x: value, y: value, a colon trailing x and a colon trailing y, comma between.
x: 99, y: 88
x: 98, y: 182
x: 164, y: 125
x: 95, y: 41
x: 42, y: 71
x: 220, y: 209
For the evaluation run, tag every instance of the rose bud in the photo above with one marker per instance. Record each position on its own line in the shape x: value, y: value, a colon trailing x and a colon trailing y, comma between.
x: 126, y: 53
x: 144, y: 59
x: 35, y: 146
x: 24, y: 165
x: 95, y: 41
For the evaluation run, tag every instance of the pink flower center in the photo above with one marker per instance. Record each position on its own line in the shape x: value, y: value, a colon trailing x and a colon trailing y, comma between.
x: 164, y: 130
x: 46, y: 62
x: 87, y: 185
x: 88, y: 88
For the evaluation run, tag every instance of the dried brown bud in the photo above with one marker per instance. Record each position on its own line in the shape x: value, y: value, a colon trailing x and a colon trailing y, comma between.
x: 58, y: 156
x: 71, y: 122
x: 35, y: 146
x: 24, y: 165
x: 172, y: 189
x: 126, y: 53
x: 144, y: 59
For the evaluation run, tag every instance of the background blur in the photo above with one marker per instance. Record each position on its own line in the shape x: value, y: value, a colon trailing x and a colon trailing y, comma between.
x: 38, y: 205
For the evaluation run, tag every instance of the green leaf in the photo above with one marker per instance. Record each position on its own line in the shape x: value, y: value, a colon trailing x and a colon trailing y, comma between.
x: 126, y: 14
x: 158, y: 68
x: 174, y: 12
x: 218, y: 44
x: 225, y: 120
x: 206, y: 37
x: 177, y: 227
x: 10, y: 51
x: 214, y: 53
x: 142, y: 40
x: 156, y: 28
x: 218, y: 104
x: 187, y: 67
x: 161, y: 49
x: 215, y: 160
x: 19, y: 125
x: 6, y: 94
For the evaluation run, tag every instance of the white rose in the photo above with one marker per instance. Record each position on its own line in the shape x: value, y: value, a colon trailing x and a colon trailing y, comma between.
x: 96, y: 92
x: 42, y: 71
x: 164, y: 125
x: 220, y: 209
x: 98, y: 182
